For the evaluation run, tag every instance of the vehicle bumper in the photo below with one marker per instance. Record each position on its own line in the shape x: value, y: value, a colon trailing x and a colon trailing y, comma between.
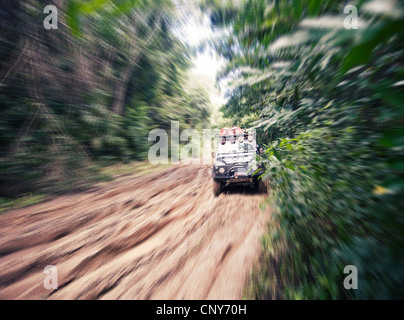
x: 233, y: 180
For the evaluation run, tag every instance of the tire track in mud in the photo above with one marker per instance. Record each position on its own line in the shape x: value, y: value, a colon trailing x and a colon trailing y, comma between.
x: 158, y: 236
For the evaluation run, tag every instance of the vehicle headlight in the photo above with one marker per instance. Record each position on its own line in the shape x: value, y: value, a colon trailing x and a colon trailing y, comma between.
x: 221, y: 170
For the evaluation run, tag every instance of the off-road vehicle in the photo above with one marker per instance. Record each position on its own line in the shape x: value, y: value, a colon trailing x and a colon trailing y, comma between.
x: 236, y: 160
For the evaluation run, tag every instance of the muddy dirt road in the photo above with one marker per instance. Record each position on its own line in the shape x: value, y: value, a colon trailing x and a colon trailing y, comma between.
x: 157, y: 236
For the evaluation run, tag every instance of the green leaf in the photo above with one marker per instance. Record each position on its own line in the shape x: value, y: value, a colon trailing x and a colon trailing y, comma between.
x: 373, y: 36
x: 389, y: 95
x: 277, y: 155
x: 314, y: 7
x: 91, y: 6
x: 396, y: 164
x: 290, y: 167
x: 73, y: 20
x: 126, y: 6
x: 282, y: 142
x: 289, y: 146
x: 297, y: 9
x: 396, y: 185
x: 392, y: 138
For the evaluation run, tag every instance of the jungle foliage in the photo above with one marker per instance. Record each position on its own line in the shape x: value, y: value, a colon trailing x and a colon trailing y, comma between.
x: 328, y: 104
x: 89, y: 92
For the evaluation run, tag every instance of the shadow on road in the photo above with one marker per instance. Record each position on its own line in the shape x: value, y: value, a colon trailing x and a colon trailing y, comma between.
x: 241, y: 190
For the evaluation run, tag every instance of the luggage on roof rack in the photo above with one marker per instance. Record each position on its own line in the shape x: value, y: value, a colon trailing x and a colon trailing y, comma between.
x: 231, y: 131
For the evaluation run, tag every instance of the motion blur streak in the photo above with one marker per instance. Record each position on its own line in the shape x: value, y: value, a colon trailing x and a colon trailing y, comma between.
x: 88, y: 93
x: 321, y: 82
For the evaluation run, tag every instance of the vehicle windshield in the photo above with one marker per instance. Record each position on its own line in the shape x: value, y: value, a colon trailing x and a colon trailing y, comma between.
x: 236, y: 147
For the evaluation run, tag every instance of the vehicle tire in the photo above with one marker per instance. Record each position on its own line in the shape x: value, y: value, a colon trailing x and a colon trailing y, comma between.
x: 260, y: 187
x: 217, y: 187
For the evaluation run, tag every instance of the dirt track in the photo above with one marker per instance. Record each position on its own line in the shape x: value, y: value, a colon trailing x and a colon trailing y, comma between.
x: 159, y: 236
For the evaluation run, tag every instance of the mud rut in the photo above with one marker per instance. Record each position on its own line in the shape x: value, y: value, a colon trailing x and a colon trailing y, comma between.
x: 158, y: 236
